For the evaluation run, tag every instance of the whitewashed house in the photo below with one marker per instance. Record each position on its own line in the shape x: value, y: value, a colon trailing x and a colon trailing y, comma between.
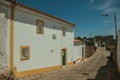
x: 32, y: 41
x: 79, y: 50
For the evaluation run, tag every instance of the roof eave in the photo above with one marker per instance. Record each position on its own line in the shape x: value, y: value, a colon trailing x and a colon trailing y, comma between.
x: 43, y: 13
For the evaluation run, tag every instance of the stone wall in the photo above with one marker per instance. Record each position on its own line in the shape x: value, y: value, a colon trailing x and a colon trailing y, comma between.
x: 89, y: 51
x: 3, y: 31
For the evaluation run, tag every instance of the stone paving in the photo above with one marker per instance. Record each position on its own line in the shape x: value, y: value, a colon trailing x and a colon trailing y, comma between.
x: 97, y: 67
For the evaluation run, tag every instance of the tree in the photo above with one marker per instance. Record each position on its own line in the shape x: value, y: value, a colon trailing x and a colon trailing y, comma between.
x: 84, y: 38
x: 78, y: 37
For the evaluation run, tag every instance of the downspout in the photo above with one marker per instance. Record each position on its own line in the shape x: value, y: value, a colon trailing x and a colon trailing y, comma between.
x: 13, y: 4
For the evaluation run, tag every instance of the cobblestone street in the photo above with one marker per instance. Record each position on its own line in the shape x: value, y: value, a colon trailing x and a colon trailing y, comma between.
x: 97, y: 67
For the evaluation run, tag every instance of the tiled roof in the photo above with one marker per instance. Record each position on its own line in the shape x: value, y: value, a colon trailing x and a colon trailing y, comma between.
x: 40, y: 12
x: 77, y: 41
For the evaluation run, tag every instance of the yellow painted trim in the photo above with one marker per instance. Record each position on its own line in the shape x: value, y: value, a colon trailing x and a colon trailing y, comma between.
x: 82, y: 59
x: 12, y: 37
x: 70, y: 63
x: 73, y: 62
x: 36, y: 71
x: 64, y: 31
x: 65, y: 56
x: 37, y: 22
x: 77, y: 60
x: 41, y: 70
x: 21, y: 47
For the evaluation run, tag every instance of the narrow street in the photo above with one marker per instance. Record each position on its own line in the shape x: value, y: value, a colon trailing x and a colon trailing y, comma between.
x: 97, y: 67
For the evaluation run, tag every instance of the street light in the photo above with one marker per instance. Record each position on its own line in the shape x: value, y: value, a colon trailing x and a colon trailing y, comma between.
x: 115, y: 22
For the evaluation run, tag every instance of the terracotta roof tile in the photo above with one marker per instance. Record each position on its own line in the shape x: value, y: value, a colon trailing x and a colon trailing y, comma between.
x: 40, y: 12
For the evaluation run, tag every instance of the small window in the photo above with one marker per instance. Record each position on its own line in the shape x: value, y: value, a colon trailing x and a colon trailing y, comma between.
x: 53, y: 26
x: 53, y: 36
x: 25, y: 52
x: 64, y: 31
x: 40, y: 27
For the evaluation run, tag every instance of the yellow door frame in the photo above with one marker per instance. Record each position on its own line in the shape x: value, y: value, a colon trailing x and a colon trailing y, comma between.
x: 66, y: 56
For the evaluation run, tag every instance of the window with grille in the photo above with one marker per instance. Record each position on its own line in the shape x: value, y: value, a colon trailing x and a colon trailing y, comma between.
x: 25, y: 52
x: 64, y: 31
x: 40, y: 27
x: 53, y: 36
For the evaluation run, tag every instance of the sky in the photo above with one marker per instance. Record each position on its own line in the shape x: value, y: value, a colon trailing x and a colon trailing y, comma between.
x: 86, y: 14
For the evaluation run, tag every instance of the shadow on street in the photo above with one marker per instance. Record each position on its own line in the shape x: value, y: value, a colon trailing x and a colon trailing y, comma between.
x: 107, y: 72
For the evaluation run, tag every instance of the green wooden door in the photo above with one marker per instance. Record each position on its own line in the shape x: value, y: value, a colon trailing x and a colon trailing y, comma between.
x: 63, y: 57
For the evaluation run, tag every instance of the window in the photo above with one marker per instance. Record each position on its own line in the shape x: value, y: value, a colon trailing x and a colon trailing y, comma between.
x: 64, y: 31
x: 40, y: 27
x: 25, y: 52
x: 3, y: 12
x: 53, y: 26
x: 53, y: 36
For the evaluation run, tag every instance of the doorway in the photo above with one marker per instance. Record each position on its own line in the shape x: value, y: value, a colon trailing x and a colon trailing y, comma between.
x: 82, y: 52
x: 64, y: 57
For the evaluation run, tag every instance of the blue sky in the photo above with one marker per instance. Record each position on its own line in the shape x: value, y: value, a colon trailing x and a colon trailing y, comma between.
x: 86, y: 14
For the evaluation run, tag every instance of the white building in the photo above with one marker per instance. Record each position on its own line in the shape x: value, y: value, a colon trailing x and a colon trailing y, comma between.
x: 32, y: 41
x: 79, y: 50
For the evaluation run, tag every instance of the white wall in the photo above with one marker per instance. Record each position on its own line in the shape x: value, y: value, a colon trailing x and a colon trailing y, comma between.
x: 78, y: 51
x: 41, y: 45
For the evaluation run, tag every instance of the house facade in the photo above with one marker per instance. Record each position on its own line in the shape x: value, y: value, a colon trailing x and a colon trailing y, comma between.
x: 32, y: 41
x: 79, y: 50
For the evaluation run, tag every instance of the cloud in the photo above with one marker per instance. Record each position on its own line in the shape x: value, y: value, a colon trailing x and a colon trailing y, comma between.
x: 112, y: 10
x: 107, y: 6
x: 91, y: 1
x: 108, y: 10
x: 101, y: 5
x: 107, y: 22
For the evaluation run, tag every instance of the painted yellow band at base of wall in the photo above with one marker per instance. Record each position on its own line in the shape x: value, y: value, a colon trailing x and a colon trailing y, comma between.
x: 73, y: 62
x: 41, y: 70
x: 35, y: 71
x: 82, y: 59
x: 70, y: 63
x: 77, y: 59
